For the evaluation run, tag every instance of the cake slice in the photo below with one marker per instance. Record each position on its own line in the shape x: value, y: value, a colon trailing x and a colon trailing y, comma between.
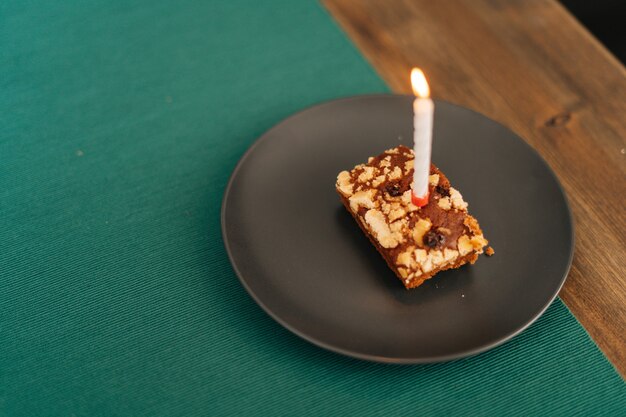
x: 416, y: 242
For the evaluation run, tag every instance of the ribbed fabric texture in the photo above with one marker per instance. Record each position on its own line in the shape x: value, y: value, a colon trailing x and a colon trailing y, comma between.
x: 120, y: 123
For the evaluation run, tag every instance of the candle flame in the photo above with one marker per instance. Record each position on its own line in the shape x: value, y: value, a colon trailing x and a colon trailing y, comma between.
x: 419, y: 83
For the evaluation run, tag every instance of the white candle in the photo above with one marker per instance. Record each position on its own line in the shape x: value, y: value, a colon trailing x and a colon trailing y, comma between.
x: 423, y: 110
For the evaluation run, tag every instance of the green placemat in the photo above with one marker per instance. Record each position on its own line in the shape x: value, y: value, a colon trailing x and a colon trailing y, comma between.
x: 120, y: 123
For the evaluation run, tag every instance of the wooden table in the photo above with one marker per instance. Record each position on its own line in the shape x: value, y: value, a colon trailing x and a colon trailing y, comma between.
x: 531, y: 66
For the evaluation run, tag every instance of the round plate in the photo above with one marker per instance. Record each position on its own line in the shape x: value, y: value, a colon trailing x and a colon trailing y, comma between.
x: 305, y: 261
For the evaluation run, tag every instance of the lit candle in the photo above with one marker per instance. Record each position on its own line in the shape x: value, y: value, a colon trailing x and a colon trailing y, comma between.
x: 423, y: 109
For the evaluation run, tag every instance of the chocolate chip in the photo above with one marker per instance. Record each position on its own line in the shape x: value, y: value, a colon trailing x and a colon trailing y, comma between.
x: 445, y: 192
x: 393, y: 189
x: 434, y: 239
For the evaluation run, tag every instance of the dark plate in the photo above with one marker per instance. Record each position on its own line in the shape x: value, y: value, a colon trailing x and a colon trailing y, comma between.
x: 307, y: 264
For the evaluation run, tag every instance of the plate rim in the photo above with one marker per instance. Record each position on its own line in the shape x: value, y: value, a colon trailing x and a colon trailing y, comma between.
x: 376, y: 358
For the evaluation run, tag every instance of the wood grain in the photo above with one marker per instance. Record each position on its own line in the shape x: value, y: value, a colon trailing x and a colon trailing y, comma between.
x: 531, y: 66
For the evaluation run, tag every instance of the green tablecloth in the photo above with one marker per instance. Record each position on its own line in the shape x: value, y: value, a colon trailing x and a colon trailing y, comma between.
x: 120, y: 123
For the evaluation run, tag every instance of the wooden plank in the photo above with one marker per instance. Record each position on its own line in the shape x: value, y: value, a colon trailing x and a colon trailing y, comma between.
x: 531, y: 66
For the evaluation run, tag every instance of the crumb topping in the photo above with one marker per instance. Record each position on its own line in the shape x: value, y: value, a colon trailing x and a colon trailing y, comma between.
x: 418, y: 239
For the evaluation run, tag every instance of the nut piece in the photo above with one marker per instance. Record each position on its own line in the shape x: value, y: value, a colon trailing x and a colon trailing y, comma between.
x: 367, y: 174
x: 408, y: 165
x: 457, y: 199
x: 396, y: 213
x: 445, y: 203
x: 343, y: 183
x: 436, y: 257
x: 378, y: 180
x: 420, y: 255
x: 406, y: 258
x: 376, y: 220
x: 406, y: 199
x: 433, y: 179
x: 450, y: 255
x: 362, y: 198
x: 489, y: 251
x: 419, y: 230
x: 395, y: 174
x: 472, y: 224
x: 464, y: 245
x: 478, y: 243
x: 423, y: 260
x: 398, y: 226
x: 427, y: 265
